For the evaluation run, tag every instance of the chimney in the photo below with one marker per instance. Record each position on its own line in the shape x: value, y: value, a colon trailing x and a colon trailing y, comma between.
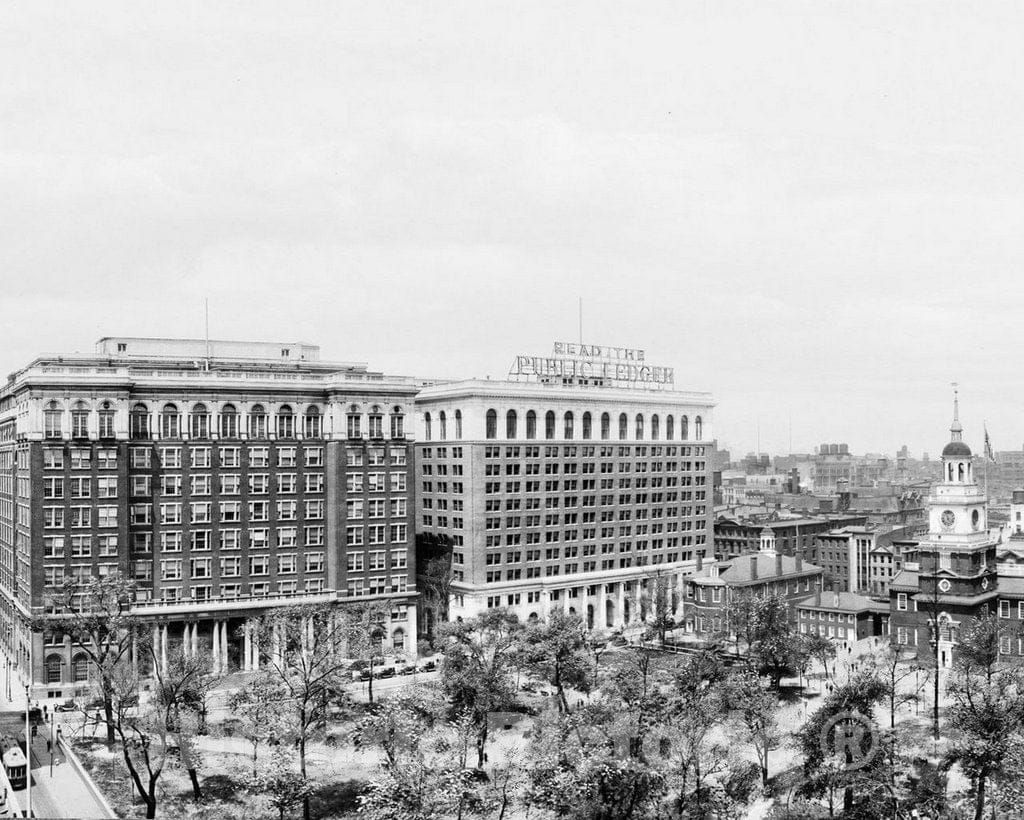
x: 753, y: 565
x: 835, y: 599
x: 799, y: 559
x: 778, y: 564
x: 817, y: 594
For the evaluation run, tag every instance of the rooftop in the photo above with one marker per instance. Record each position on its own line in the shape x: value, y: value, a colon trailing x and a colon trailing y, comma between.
x: 739, y: 570
x: 841, y: 602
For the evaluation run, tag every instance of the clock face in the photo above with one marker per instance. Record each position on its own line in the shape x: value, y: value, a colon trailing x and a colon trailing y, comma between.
x: 975, y: 519
x: 945, y: 585
x: 948, y: 519
x: 984, y: 583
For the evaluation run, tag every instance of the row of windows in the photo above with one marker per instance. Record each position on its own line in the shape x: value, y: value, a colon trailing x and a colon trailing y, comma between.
x: 569, y: 426
x: 200, y: 421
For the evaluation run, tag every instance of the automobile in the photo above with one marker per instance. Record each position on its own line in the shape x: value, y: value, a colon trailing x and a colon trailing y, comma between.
x: 364, y: 675
x: 35, y: 715
x: 429, y: 666
x: 66, y: 706
x: 389, y: 672
x: 407, y: 670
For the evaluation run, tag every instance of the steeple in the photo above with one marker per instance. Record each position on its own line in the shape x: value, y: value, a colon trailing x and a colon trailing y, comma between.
x: 955, y: 430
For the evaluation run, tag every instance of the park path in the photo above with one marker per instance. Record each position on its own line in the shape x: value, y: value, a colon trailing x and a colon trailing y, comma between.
x: 59, y: 791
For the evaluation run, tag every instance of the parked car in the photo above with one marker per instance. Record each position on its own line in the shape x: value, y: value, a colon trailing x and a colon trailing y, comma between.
x: 66, y: 706
x: 364, y: 675
x: 388, y: 672
x: 429, y: 666
x: 407, y: 670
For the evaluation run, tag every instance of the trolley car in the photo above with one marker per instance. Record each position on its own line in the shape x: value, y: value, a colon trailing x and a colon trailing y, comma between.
x: 14, y: 762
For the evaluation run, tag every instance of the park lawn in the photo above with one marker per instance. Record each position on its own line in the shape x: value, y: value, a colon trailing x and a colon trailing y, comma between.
x: 222, y: 779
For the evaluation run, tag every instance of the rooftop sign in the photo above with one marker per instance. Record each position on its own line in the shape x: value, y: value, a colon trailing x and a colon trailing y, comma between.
x: 597, y: 365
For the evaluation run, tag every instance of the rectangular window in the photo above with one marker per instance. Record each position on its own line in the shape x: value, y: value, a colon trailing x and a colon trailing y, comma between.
x: 170, y: 457
x: 259, y: 539
x: 354, y: 562
x: 354, y: 536
x: 81, y: 517
x: 399, y: 533
x: 1004, y: 609
x: 314, y: 509
x: 141, y: 458
x: 398, y: 482
x: 229, y: 457
x: 230, y: 567
x: 314, y: 562
x: 314, y: 536
x: 106, y: 487
x: 106, y: 516
x: 901, y: 603
x: 259, y: 565
x: 314, y: 482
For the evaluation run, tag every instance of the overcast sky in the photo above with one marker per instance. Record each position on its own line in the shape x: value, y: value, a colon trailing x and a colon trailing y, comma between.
x: 813, y: 210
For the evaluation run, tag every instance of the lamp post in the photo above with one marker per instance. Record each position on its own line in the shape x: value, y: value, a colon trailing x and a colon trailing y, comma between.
x: 933, y: 641
x: 28, y: 755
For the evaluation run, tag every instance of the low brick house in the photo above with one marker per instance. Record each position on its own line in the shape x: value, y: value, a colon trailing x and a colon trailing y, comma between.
x: 845, y: 617
x: 711, y: 589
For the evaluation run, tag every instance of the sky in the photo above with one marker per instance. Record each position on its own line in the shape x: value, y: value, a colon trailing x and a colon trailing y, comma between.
x: 813, y: 210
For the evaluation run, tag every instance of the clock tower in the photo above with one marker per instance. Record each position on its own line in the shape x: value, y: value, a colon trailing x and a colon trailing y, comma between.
x: 954, y: 578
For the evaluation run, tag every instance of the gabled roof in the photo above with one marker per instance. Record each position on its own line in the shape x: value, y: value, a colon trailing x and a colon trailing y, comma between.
x: 841, y: 602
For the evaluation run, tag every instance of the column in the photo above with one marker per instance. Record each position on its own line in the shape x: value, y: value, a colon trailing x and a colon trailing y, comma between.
x: 247, y: 646
x: 600, y: 618
x: 156, y: 646
x: 620, y: 621
x: 411, y: 632
x: 255, y: 664
x: 225, y: 663
x: 565, y: 600
x: 637, y: 612
x: 163, y: 647
x: 186, y: 640
x: 194, y: 639
x: 215, y: 649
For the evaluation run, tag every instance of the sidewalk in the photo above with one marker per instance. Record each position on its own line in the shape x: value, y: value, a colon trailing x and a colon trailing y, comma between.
x: 63, y: 794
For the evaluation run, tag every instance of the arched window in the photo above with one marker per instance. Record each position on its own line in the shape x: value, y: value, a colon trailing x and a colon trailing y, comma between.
x: 442, y: 426
x: 199, y: 421
x: 531, y: 424
x: 549, y: 424
x: 106, y: 419
x: 655, y: 427
x: 684, y: 428
x: 426, y: 426
x: 376, y: 421
x: 606, y: 426
x: 397, y: 423
x: 53, y: 664
x: 492, y: 424
x: 623, y: 426
x: 961, y: 472
x: 567, y: 430
x: 139, y: 419
x: 170, y: 422
x: 587, y: 430
x: 670, y: 428
x: 458, y: 424
x: 80, y: 420
x: 639, y: 427
x: 285, y: 422
x: 80, y: 668
x: 313, y: 426
x: 228, y: 426
x: 257, y: 422
x: 698, y: 428
x: 511, y: 424
x: 52, y: 417
x: 354, y: 422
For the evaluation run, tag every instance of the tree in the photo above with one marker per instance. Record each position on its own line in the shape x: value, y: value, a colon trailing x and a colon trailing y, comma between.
x: 95, y: 613
x: 775, y: 645
x: 145, y: 731
x: 476, y: 671
x: 305, y: 660
x: 557, y: 652
x: 824, y: 773
x: 890, y: 665
x: 364, y: 633
x: 258, y: 707
x: 754, y: 706
x: 696, y: 705
x: 400, y: 724
x: 280, y: 784
x: 988, y: 707
x: 434, y: 578
x: 819, y: 648
x: 658, y: 602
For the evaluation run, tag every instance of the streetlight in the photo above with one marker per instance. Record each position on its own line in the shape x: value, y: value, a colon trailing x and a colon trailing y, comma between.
x: 933, y: 641
x: 28, y: 755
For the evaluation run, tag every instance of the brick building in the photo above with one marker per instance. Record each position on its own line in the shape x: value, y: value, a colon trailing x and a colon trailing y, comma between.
x: 955, y: 576
x: 738, y: 537
x: 845, y: 617
x: 715, y: 585
x: 226, y: 478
